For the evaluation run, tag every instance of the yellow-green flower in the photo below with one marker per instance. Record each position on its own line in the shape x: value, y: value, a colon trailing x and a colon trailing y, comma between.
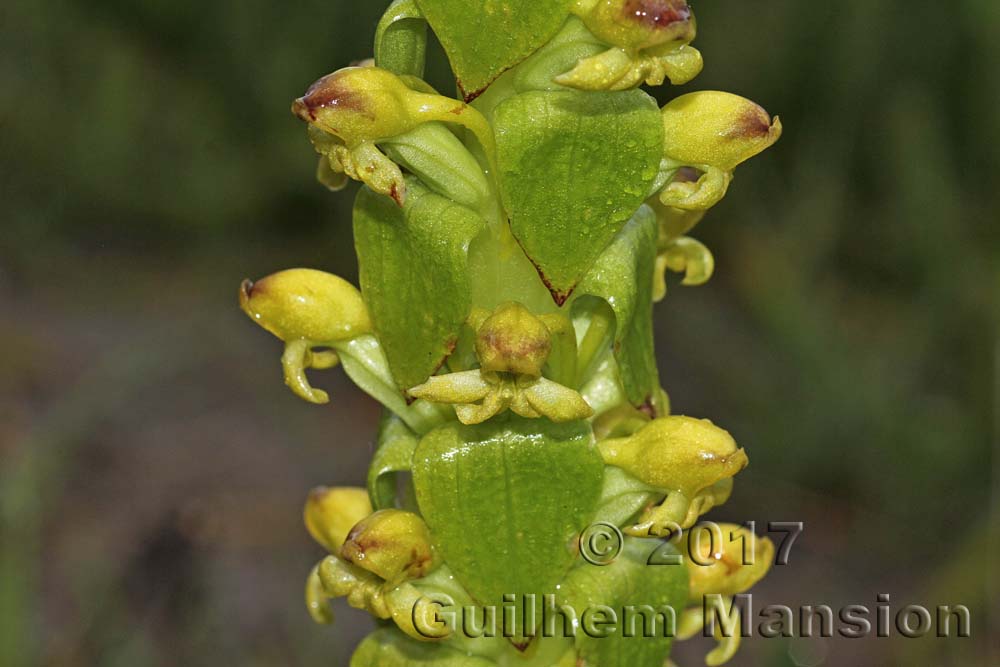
x: 637, y: 24
x: 721, y: 559
x: 679, y: 456
x: 512, y: 345
x: 392, y: 544
x: 352, y: 109
x: 306, y: 309
x: 305, y: 303
x: 712, y: 132
x: 725, y: 559
x: 649, y: 39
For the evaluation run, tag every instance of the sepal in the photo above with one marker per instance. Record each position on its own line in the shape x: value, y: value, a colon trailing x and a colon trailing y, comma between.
x: 393, y: 544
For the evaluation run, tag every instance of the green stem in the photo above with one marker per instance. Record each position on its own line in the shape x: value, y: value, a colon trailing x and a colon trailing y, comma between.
x: 594, y: 341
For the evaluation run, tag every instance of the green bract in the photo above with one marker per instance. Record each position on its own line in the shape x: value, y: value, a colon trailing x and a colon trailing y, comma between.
x: 484, y: 38
x: 623, y: 276
x: 510, y: 250
x: 415, y: 276
x: 523, y: 489
x: 574, y: 167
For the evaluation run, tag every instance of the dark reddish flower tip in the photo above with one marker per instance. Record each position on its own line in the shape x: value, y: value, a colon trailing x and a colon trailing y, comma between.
x: 657, y: 13
x: 333, y: 90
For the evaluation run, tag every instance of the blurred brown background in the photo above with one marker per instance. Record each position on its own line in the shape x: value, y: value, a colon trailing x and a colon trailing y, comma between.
x: 153, y: 466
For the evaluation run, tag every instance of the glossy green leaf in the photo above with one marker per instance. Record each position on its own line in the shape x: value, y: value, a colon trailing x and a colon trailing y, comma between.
x: 623, y: 276
x: 393, y: 454
x: 629, y: 582
x: 506, y: 499
x: 414, y: 276
x: 573, y: 168
x: 483, y: 38
x: 401, y: 39
x: 389, y: 647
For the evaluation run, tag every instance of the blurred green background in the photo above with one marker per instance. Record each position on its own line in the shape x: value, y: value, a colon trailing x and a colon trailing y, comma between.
x: 153, y: 466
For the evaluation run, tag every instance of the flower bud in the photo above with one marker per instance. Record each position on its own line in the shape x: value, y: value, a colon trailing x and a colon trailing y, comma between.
x: 637, y: 24
x: 512, y: 340
x: 725, y: 559
x: 391, y: 543
x: 717, y: 129
x: 330, y: 513
x: 306, y: 304
x: 677, y: 454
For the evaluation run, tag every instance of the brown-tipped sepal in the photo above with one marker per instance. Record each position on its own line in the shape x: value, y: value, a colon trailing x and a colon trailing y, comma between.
x: 711, y: 132
x: 392, y: 544
x: 637, y: 24
x: 716, y: 128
